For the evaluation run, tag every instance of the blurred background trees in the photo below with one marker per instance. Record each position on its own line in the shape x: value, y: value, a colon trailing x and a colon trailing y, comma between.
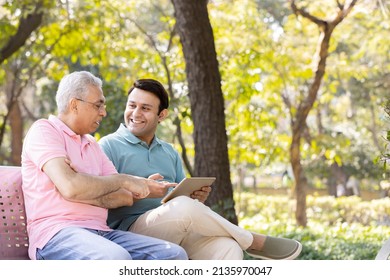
x: 264, y: 54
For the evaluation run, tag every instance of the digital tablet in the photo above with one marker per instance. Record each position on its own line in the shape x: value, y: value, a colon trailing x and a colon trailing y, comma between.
x: 187, y: 186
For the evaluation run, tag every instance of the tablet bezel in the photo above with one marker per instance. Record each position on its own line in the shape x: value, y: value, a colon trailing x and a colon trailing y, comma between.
x: 187, y: 186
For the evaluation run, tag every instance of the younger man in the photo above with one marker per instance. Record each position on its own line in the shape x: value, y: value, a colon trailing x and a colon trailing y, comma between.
x: 135, y: 149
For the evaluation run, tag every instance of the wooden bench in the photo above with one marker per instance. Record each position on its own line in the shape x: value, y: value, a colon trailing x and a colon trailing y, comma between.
x: 13, y: 231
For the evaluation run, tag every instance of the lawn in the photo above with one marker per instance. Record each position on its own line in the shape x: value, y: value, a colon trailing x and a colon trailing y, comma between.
x: 345, y: 228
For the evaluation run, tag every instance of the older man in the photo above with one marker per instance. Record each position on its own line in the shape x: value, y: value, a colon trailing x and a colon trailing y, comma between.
x: 67, y: 210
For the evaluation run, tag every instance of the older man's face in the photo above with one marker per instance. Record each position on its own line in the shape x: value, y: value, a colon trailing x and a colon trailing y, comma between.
x: 91, y: 111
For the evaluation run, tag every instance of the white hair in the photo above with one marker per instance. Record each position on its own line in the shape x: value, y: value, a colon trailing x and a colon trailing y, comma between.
x: 75, y: 85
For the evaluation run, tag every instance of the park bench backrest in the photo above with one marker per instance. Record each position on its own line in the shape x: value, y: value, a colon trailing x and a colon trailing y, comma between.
x: 13, y: 231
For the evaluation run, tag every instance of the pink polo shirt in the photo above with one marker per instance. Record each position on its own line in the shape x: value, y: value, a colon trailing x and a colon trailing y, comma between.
x: 47, y: 211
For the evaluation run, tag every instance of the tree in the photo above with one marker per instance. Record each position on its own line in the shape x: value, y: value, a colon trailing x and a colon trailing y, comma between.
x: 24, y: 18
x: 207, y: 103
x: 30, y: 20
x: 300, y: 112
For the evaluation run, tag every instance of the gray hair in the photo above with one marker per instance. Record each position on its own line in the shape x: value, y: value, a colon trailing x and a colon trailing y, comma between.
x: 75, y: 85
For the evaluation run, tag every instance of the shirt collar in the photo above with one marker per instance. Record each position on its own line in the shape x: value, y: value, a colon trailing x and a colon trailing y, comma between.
x: 130, y: 137
x: 66, y: 129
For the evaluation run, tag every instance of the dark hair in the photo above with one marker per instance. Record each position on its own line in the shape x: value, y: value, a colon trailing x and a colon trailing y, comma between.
x: 154, y: 87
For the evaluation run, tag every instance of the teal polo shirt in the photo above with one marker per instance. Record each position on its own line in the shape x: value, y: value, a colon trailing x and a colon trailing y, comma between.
x: 132, y: 156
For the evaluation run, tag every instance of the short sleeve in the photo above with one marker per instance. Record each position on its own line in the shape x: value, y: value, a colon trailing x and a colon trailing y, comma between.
x: 42, y: 143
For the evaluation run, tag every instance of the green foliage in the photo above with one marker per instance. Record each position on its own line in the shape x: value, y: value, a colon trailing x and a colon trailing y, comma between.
x: 345, y: 228
x: 263, y: 50
x: 252, y: 112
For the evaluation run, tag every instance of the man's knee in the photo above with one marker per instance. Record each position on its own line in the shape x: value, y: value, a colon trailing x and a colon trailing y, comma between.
x: 115, y: 253
x: 187, y: 206
x: 176, y: 252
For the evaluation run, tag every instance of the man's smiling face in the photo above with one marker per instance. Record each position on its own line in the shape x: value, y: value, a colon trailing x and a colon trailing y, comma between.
x: 141, y: 115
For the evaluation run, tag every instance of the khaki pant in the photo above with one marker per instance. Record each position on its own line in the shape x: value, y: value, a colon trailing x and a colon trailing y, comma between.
x: 204, y: 234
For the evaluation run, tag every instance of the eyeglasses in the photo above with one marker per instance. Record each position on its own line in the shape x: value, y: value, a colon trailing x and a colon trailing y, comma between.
x: 98, y: 106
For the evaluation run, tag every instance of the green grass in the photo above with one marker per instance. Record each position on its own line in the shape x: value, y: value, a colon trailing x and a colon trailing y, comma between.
x: 345, y: 228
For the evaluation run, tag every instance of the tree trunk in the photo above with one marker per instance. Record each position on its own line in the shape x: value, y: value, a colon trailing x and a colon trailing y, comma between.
x: 300, y: 179
x: 298, y: 122
x: 16, y: 123
x: 13, y: 117
x: 207, y: 103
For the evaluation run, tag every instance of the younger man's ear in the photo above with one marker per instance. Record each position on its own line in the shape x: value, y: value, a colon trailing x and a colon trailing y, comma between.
x: 163, y: 114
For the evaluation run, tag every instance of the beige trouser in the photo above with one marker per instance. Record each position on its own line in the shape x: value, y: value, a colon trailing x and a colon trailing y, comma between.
x: 204, y: 234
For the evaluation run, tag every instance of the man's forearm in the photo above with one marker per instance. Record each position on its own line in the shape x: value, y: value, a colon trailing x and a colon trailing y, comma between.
x: 99, y: 187
x: 112, y: 200
x: 75, y: 186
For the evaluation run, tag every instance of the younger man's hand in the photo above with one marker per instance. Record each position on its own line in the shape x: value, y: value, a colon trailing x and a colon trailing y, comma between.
x: 158, y: 188
x: 201, y: 194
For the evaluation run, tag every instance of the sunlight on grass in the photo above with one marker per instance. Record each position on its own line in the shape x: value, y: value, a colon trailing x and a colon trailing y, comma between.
x: 345, y: 228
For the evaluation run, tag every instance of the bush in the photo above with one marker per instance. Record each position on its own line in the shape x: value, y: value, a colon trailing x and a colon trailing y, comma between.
x: 344, y: 228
